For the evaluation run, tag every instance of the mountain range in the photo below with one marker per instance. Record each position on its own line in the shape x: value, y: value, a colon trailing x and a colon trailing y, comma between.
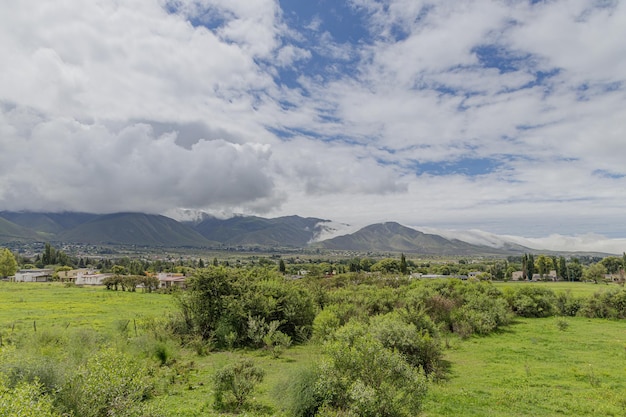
x: 150, y: 230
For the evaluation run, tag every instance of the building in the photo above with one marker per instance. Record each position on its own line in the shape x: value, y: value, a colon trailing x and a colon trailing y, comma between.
x: 169, y: 280
x: 91, y: 278
x: 33, y: 275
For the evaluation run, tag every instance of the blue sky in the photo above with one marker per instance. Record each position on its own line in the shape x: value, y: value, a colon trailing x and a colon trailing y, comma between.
x: 506, y: 117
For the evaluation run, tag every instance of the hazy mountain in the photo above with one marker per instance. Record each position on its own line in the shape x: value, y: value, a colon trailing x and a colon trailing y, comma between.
x: 11, y: 232
x: 134, y: 229
x: 293, y: 231
x: 393, y: 237
x: 50, y: 223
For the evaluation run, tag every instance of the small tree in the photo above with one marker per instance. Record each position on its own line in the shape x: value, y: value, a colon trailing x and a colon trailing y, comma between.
x: 236, y: 381
x: 8, y: 264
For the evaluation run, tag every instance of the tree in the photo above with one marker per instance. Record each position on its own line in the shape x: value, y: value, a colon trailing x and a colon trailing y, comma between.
x: 595, y: 273
x: 562, y: 267
x: 612, y: 264
x: 574, y: 270
x: 403, y: 266
x: 281, y: 266
x: 8, y: 264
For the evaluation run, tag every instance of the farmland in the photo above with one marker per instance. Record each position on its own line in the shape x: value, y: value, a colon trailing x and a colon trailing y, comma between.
x: 533, y: 366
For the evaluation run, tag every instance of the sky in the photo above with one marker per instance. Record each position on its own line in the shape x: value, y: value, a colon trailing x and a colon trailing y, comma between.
x: 503, y: 116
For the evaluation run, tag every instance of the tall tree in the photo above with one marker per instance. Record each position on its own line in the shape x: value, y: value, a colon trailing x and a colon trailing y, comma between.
x: 8, y: 264
x: 562, y: 268
x: 403, y: 266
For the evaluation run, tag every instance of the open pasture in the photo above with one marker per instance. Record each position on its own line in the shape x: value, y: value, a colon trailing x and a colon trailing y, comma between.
x: 577, y: 289
x: 537, y: 367
x: 24, y: 305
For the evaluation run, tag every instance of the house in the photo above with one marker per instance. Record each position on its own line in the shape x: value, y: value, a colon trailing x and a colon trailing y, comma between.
x: 33, y: 275
x: 91, y: 278
x: 70, y: 276
x: 169, y: 280
x: 517, y: 275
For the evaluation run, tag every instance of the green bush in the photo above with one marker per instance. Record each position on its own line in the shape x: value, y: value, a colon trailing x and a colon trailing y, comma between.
x: 325, y: 324
x: 234, y: 383
x: 531, y: 301
x: 605, y: 304
x: 417, y: 345
x: 108, y: 384
x: 25, y: 400
x: 364, y: 378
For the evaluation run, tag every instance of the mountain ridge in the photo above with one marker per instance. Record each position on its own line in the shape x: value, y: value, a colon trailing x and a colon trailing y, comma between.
x: 287, y: 232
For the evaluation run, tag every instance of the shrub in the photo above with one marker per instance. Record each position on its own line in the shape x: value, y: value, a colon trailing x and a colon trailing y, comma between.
x: 108, y: 384
x: 325, y: 324
x: 25, y: 400
x: 417, y: 345
x: 606, y: 304
x: 531, y: 301
x: 567, y: 305
x: 364, y: 378
x: 481, y: 313
x: 234, y: 383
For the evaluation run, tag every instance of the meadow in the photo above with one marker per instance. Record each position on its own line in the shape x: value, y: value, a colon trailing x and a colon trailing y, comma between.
x: 550, y: 366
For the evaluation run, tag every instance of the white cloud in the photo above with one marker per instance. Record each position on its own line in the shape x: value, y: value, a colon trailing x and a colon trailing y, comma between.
x: 119, y: 90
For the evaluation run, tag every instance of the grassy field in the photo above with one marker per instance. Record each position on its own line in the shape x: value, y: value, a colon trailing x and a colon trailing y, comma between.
x: 534, y: 367
x: 53, y: 305
x: 577, y: 289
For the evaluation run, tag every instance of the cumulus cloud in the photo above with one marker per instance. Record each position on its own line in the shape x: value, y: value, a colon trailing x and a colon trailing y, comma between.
x: 496, y: 115
x: 68, y: 165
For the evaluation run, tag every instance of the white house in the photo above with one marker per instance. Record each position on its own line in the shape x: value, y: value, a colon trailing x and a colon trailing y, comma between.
x: 33, y: 275
x: 83, y: 278
x: 168, y: 280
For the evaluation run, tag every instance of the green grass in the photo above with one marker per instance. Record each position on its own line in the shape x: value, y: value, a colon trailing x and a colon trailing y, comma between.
x: 577, y: 289
x: 534, y: 369
x: 53, y: 305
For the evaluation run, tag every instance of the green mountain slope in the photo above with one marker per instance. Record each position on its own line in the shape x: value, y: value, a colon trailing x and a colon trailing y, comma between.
x: 135, y: 229
x: 293, y: 231
x: 48, y: 223
x: 11, y: 232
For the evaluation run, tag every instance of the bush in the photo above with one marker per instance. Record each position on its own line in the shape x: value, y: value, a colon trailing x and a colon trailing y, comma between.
x: 417, y: 345
x: 364, y: 378
x: 606, y: 304
x: 234, y: 383
x: 24, y: 400
x: 108, y: 384
x: 325, y: 324
x: 567, y: 305
x: 481, y: 313
x: 231, y: 306
x: 531, y: 301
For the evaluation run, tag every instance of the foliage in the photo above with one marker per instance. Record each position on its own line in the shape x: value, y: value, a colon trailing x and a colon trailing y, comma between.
x: 234, y: 383
x: 221, y: 302
x: 8, y: 263
x: 531, y: 301
x: 595, y: 273
x: 363, y: 377
x: 108, y: 384
x: 605, y: 304
x: 419, y: 348
x: 25, y: 400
